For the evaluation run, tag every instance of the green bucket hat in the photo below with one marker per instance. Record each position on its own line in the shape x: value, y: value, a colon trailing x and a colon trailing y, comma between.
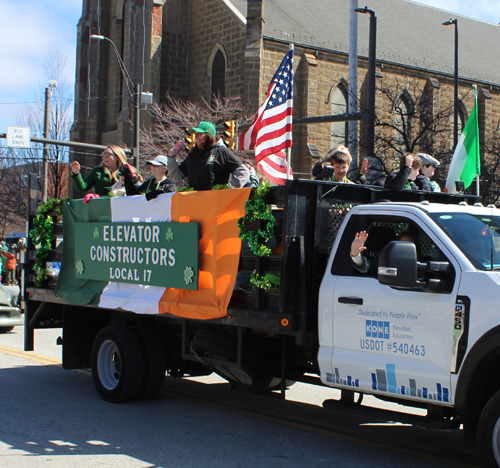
x: 205, y: 127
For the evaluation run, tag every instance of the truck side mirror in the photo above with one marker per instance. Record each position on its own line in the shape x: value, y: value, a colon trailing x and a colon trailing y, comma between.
x: 398, y: 264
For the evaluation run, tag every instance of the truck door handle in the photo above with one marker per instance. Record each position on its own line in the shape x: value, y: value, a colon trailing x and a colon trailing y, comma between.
x: 351, y: 300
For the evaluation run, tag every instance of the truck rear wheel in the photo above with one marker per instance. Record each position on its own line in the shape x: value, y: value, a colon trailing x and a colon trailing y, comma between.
x: 488, y: 433
x: 155, y: 362
x: 254, y: 374
x: 117, y: 364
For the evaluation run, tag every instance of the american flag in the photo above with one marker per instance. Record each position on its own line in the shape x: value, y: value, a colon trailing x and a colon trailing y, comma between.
x: 274, y: 167
x: 271, y: 128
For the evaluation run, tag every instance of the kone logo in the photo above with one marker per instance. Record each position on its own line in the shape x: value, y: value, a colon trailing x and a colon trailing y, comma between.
x: 376, y: 329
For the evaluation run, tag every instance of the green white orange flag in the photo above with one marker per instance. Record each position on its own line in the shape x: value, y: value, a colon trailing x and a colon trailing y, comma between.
x: 466, y: 162
x: 216, y: 213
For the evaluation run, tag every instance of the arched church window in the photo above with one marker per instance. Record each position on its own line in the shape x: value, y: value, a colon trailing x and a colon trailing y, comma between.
x: 338, y: 102
x: 218, y: 75
x: 403, y: 109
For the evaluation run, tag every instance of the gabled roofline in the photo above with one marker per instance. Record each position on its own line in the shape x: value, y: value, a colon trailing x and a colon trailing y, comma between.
x: 382, y: 61
x: 235, y: 10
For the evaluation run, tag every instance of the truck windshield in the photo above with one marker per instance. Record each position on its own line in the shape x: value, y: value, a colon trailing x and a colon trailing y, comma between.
x: 477, y: 236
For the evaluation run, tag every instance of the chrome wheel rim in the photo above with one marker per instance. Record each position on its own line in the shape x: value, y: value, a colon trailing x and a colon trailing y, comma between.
x: 109, y: 365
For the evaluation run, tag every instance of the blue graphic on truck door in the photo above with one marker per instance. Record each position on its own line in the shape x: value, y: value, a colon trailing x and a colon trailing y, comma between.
x: 385, y: 380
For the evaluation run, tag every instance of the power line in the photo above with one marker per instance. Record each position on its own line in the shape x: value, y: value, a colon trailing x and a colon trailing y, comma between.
x: 96, y: 98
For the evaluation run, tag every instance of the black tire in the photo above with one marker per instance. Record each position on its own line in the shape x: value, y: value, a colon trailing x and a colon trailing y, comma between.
x: 488, y: 433
x: 117, y: 364
x: 6, y: 329
x: 155, y: 362
x: 255, y: 372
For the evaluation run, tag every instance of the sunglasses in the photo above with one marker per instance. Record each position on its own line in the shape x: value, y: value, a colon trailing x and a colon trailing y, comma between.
x: 107, y: 154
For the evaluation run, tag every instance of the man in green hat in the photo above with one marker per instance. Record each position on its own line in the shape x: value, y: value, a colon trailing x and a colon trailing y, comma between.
x: 209, y: 163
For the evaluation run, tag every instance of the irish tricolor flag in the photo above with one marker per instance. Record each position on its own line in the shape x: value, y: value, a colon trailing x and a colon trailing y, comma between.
x: 466, y: 162
x: 216, y: 213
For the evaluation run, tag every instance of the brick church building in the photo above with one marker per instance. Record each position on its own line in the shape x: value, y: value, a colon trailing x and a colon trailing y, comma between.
x: 192, y: 49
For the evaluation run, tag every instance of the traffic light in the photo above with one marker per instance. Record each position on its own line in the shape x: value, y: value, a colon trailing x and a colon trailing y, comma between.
x: 190, y: 140
x: 230, y: 133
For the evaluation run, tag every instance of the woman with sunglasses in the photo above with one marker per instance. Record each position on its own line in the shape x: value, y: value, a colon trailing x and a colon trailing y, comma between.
x: 102, y: 177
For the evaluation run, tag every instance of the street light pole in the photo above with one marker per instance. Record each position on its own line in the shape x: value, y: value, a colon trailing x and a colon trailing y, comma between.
x: 372, y: 59
x: 134, y: 92
x: 137, y: 122
x: 455, y: 99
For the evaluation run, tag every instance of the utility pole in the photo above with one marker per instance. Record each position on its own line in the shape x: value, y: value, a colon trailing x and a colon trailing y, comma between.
x: 352, y: 94
x: 455, y: 83
x: 45, y: 180
x: 372, y: 60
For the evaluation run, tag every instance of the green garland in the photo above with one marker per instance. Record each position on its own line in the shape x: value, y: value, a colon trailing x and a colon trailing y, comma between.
x: 266, y: 282
x: 215, y: 187
x: 257, y: 209
x: 260, y: 281
x: 51, y: 205
x: 221, y: 187
x: 42, y: 235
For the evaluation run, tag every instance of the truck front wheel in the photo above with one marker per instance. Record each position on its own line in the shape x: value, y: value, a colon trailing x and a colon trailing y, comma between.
x: 488, y: 433
x: 117, y: 364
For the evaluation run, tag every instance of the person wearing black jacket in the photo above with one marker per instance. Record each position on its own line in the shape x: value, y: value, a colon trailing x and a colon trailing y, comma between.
x: 151, y: 187
x: 339, y: 156
x: 209, y: 163
x: 404, y: 179
x: 429, y: 165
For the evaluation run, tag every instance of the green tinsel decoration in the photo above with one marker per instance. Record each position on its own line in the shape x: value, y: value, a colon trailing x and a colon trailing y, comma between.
x: 260, y: 281
x: 257, y: 209
x: 42, y: 235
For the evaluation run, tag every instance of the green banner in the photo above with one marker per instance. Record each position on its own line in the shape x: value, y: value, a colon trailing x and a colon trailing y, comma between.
x: 153, y: 254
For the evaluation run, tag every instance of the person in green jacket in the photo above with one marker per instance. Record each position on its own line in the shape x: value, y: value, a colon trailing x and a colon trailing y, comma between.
x: 102, y: 177
x: 3, y: 248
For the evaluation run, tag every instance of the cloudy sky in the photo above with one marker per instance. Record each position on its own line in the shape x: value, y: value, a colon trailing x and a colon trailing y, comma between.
x: 29, y: 29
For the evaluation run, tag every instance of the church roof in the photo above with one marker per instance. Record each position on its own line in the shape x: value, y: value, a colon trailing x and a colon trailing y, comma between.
x: 408, y: 33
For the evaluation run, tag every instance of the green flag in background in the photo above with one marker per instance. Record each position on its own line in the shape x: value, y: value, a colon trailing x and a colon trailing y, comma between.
x: 466, y: 162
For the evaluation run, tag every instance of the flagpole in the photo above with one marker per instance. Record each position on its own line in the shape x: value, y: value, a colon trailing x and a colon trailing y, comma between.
x: 288, y: 156
x: 289, y: 149
x: 475, y: 103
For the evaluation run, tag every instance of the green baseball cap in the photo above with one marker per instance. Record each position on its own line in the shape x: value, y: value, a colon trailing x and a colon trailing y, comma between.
x: 205, y: 127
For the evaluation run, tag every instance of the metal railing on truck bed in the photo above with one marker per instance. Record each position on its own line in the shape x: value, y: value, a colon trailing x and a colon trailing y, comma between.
x: 312, y: 213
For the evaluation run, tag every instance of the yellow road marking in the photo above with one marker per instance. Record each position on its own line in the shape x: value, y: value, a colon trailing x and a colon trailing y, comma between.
x: 29, y: 355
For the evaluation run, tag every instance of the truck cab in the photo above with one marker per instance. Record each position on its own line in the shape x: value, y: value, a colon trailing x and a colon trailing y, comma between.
x: 421, y: 326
